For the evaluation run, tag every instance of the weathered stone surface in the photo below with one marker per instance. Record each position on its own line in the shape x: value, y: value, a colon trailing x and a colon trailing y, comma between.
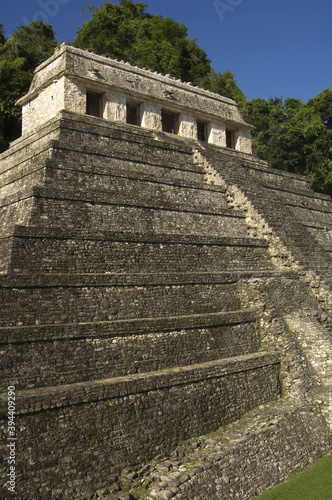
x: 243, y: 459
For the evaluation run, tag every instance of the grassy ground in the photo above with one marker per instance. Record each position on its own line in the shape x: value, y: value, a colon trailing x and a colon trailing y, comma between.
x: 314, y: 483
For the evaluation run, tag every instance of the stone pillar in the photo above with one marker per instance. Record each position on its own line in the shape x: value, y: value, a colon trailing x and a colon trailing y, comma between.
x: 187, y: 125
x: 115, y: 106
x: 217, y: 133
x: 151, y: 115
x: 74, y: 96
x: 243, y: 140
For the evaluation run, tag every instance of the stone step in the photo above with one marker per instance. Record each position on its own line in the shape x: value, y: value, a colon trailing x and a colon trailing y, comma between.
x: 118, y: 190
x: 313, y: 216
x: 61, y: 299
x: 46, y: 250
x: 24, y: 175
x: 137, y: 192
x: 98, y: 390
x: 83, y: 280
x: 43, y: 356
x: 123, y: 142
x: 56, y: 165
x: 307, y: 198
x: 290, y: 203
x: 15, y: 213
x: 106, y: 329
x: 66, y: 162
x: 93, y: 391
x: 47, y: 207
x: 62, y: 232
x: 25, y: 150
x: 64, y: 304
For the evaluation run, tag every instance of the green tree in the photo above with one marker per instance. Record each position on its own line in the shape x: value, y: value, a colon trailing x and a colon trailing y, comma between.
x: 264, y: 115
x: 126, y: 31
x: 295, y: 136
x: 19, y: 55
x: 2, y: 35
x: 322, y: 104
x: 225, y: 84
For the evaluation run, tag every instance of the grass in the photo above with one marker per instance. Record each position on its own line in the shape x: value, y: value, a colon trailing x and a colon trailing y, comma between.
x: 314, y: 483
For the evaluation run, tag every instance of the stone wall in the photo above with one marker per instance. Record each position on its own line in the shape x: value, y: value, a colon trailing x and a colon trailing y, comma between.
x: 43, y: 106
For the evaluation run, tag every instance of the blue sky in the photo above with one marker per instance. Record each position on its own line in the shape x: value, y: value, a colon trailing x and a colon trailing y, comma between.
x: 273, y: 47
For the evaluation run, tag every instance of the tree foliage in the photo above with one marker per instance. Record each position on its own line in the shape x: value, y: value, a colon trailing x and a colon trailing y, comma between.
x: 126, y: 31
x: 295, y: 136
x: 19, y: 55
x: 2, y: 34
x: 225, y: 85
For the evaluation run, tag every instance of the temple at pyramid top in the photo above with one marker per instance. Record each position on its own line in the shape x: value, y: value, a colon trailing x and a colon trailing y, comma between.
x: 81, y: 82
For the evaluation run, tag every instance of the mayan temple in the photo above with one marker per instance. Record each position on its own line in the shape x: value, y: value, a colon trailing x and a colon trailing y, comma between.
x: 166, y: 303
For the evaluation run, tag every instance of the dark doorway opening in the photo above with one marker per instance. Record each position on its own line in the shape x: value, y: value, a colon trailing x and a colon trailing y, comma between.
x: 94, y: 104
x: 170, y: 122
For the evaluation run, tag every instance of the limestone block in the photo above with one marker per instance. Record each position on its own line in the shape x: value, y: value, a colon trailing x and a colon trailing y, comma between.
x: 188, y: 125
x: 217, y: 133
x: 243, y: 140
x: 43, y: 106
x: 151, y: 115
x: 74, y: 96
x: 115, y: 106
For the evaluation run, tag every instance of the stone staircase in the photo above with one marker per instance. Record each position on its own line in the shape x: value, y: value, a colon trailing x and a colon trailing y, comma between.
x: 297, y: 222
x: 301, y: 218
x: 316, y: 344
